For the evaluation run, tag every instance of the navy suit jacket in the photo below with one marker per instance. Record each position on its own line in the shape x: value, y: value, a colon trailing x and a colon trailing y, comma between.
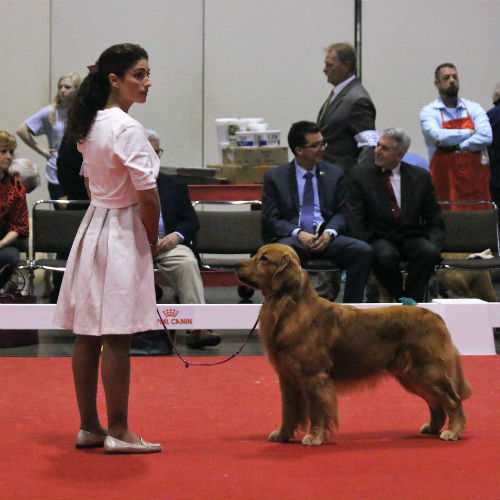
x: 370, y: 214
x: 176, y: 209
x: 351, y: 112
x: 280, y: 200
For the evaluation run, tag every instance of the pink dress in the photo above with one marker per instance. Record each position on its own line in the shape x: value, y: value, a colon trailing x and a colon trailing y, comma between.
x: 108, y: 286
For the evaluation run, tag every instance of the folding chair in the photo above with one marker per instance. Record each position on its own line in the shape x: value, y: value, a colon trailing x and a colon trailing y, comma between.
x: 53, y: 231
x: 226, y: 235
x: 470, y: 231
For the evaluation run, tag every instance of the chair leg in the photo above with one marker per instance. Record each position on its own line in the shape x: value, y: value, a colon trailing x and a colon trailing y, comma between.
x: 31, y: 277
x: 436, y: 282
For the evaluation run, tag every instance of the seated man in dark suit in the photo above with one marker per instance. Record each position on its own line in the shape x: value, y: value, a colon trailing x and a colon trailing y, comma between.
x: 305, y: 195
x: 175, y: 259
x: 393, y: 207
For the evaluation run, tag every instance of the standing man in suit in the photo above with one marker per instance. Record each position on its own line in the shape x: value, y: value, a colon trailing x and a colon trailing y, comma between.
x: 392, y: 206
x: 347, y: 118
x: 305, y: 195
x: 347, y: 122
x: 176, y: 259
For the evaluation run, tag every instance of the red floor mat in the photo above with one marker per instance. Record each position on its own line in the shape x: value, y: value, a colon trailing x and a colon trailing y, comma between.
x: 213, y: 424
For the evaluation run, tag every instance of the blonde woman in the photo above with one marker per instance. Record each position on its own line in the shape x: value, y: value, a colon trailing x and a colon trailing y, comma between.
x: 51, y: 121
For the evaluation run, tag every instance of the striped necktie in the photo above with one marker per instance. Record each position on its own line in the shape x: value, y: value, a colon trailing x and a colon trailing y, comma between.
x: 325, y: 106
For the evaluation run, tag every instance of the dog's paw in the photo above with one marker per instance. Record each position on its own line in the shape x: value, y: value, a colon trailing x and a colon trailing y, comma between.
x: 428, y: 429
x: 448, y: 436
x: 276, y: 437
x: 310, y: 440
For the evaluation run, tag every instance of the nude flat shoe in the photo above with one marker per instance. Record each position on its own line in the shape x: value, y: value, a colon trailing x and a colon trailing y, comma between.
x: 113, y: 445
x: 86, y: 439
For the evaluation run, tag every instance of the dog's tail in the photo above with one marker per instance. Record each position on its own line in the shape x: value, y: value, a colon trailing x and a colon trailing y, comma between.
x: 462, y: 387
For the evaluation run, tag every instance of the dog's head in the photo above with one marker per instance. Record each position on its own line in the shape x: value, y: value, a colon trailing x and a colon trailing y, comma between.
x: 274, y: 268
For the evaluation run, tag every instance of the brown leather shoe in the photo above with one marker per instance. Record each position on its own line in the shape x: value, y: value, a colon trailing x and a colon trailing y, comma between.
x: 196, y: 339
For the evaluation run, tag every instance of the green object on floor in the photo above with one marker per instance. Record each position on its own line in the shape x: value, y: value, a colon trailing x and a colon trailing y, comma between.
x: 406, y: 301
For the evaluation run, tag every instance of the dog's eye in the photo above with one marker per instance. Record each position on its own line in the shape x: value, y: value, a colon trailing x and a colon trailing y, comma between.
x: 263, y: 258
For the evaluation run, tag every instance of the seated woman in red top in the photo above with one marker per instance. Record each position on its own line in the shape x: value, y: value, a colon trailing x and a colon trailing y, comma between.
x: 14, y: 223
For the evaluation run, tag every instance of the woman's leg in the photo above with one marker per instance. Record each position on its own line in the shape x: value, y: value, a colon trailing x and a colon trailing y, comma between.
x: 115, y: 372
x: 86, y: 353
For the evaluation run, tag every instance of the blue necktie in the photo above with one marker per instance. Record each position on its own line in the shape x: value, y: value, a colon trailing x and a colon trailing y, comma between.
x: 307, y: 214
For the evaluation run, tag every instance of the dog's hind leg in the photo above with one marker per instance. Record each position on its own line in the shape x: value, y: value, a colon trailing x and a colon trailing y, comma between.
x: 435, y: 386
x: 452, y: 404
x: 322, y: 408
x: 437, y: 412
x: 293, y: 409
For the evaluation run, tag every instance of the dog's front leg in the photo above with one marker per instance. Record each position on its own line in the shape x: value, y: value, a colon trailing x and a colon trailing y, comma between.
x: 322, y: 407
x: 293, y: 409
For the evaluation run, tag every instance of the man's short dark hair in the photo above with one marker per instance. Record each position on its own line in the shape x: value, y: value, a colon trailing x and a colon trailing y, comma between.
x: 444, y: 65
x: 298, y: 131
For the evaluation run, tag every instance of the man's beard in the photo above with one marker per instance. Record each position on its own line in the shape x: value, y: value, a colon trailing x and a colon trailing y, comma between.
x: 452, y: 91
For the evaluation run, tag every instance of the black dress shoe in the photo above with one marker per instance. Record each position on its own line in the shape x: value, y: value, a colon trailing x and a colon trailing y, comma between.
x: 196, y: 339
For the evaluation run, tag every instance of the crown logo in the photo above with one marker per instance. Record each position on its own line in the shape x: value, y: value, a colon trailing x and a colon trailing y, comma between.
x: 170, y: 313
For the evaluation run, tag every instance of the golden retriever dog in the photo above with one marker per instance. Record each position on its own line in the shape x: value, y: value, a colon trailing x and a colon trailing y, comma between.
x: 320, y: 348
x: 462, y: 284
x: 467, y: 284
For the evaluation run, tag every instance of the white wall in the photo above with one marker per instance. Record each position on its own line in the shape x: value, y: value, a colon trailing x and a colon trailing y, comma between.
x: 171, y: 32
x: 404, y: 42
x: 265, y: 58
x: 25, y: 63
x: 214, y: 58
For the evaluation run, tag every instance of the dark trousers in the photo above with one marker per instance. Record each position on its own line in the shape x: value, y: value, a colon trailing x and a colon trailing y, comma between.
x: 56, y: 192
x: 348, y: 253
x: 8, y: 257
x: 421, y: 256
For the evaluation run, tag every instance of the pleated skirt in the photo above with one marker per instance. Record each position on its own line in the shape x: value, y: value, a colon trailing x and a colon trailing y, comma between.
x: 108, y: 286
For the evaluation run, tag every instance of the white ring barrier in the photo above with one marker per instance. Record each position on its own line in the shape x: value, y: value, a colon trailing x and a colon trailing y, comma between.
x: 470, y: 321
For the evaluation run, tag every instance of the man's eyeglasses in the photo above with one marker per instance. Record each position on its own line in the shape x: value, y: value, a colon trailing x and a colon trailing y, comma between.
x: 159, y: 152
x: 317, y: 145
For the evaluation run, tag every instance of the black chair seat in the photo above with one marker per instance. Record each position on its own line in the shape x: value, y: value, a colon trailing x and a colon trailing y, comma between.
x: 469, y: 231
x: 53, y: 232
x: 471, y: 264
x: 317, y: 265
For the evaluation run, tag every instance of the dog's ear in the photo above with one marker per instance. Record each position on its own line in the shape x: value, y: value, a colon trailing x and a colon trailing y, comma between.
x: 287, y: 275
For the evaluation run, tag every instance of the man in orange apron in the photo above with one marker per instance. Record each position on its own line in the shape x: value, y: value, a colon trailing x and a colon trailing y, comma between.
x: 456, y: 132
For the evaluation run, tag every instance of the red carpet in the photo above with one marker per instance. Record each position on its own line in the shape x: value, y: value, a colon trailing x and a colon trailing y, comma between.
x: 213, y: 424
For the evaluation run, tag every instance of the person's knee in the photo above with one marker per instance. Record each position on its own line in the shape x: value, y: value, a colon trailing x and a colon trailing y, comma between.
x: 365, y: 251
x: 386, y: 259
x: 117, y: 343
x: 188, y: 264
x: 429, y: 256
